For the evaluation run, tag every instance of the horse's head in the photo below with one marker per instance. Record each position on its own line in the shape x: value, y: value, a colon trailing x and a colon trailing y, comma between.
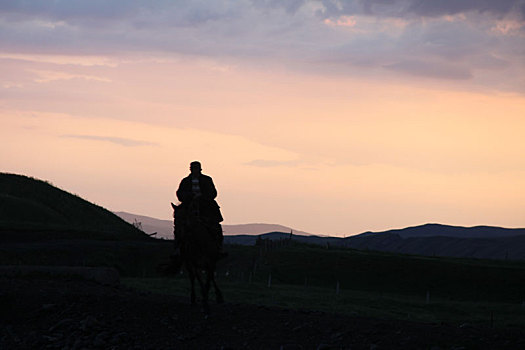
x: 177, y: 211
x: 186, y: 215
x: 175, y: 208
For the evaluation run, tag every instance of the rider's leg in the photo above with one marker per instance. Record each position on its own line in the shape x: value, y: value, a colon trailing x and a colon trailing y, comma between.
x: 220, y: 239
x: 178, y: 230
x: 220, y: 235
x: 177, y: 239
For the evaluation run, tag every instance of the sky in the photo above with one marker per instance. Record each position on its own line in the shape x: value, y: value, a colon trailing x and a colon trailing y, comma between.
x: 331, y: 117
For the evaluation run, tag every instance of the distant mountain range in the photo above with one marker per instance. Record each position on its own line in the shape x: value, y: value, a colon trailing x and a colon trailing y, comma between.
x: 481, y: 242
x: 164, y: 228
x: 433, y: 230
x: 33, y: 209
x: 485, y: 242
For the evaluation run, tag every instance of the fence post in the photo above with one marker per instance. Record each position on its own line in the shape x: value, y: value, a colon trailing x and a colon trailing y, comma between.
x: 337, y: 288
x: 270, y: 280
x: 428, y: 297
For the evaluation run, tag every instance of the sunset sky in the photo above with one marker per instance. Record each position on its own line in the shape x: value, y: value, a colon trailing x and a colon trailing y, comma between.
x: 332, y: 117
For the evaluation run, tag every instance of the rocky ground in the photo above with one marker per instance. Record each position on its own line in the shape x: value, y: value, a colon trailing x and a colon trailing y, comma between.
x: 61, y: 313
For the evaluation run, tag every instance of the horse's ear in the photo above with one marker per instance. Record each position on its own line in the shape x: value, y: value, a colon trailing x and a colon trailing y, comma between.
x: 173, y: 206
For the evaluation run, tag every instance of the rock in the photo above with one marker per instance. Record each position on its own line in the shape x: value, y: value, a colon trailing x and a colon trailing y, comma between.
x: 77, y: 344
x: 291, y: 347
x: 61, y: 324
x: 102, y: 275
x: 88, y: 322
x: 337, y: 336
x: 99, y: 340
x: 118, y: 338
x: 327, y: 347
x: 46, y: 307
x: 50, y: 339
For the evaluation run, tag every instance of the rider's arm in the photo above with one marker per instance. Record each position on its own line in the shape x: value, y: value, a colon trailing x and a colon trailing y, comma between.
x: 184, y: 193
x: 210, y: 191
x: 213, y: 193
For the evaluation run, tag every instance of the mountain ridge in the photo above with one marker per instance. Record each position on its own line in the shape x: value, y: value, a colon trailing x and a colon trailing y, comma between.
x: 35, y: 209
x: 435, y: 229
x: 151, y: 225
x: 164, y: 228
x: 496, y: 247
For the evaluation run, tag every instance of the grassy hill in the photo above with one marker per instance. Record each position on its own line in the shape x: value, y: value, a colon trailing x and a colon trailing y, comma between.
x: 33, y: 209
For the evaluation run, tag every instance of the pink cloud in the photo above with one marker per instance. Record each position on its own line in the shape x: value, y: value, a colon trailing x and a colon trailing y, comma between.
x: 507, y: 27
x: 342, y: 21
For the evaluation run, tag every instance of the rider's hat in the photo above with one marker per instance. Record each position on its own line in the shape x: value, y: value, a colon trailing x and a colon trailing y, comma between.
x: 195, y: 164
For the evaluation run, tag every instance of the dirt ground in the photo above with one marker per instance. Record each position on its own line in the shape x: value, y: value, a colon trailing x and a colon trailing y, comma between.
x: 56, y: 313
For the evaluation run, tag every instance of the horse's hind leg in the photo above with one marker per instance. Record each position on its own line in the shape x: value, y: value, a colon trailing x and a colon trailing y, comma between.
x: 218, y: 293
x: 205, y: 287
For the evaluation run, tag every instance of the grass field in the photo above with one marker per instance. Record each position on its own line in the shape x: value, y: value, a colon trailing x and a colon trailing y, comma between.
x: 447, y: 278
x: 356, y: 303
x: 367, y: 284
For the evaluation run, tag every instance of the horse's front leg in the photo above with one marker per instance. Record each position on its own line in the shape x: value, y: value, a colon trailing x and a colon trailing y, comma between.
x: 206, y: 291
x: 191, y: 274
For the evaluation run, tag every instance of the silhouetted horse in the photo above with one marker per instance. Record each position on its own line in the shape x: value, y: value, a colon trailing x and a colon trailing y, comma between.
x: 199, y: 250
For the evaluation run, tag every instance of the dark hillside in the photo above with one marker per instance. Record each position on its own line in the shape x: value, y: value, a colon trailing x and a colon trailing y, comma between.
x: 35, y: 209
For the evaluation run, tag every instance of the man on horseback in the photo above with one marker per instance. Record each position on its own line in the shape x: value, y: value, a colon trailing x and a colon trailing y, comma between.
x: 200, y: 187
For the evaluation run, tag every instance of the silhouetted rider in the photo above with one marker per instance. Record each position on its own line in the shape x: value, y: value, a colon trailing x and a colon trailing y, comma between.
x: 198, y: 186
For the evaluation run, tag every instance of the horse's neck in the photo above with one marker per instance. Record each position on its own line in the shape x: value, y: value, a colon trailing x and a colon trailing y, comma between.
x: 199, y: 237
